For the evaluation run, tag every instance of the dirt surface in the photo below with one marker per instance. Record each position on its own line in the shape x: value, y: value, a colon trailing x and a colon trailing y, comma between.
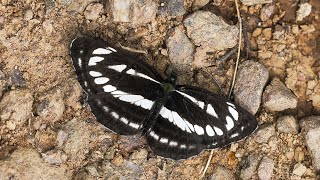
x: 45, y: 122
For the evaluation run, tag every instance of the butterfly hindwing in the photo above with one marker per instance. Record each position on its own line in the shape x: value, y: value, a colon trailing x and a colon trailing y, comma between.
x: 198, y: 120
x: 120, y: 90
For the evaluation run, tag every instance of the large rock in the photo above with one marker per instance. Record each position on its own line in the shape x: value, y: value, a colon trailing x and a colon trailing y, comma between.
x: 206, y: 29
x: 310, y: 127
x: 172, y: 8
x: 180, y: 49
x: 251, y: 79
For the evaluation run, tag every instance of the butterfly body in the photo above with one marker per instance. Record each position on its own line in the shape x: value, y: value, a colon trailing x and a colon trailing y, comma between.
x: 129, y: 97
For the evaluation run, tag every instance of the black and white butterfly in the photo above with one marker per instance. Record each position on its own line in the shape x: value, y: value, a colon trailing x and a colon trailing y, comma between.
x: 129, y: 97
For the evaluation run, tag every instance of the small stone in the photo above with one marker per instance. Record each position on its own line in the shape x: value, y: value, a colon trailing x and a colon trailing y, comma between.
x: 267, y: 32
x: 277, y: 97
x: 264, y: 133
x: 222, y: 173
x: 28, y: 15
x: 54, y: 157
x: 139, y: 156
x: 11, y: 125
x: 92, y: 171
x: 197, y: 4
x: 253, y: 2
x: 287, y: 124
x: 172, y: 8
x: 206, y: 29
x: 45, y: 140
x: 266, y: 12
x: 180, y: 49
x: 62, y: 136
x: 16, y: 106
x: 109, y: 154
x: 118, y: 160
x: 51, y: 106
x: 299, y: 169
x: 265, y: 169
x: 310, y: 128
x: 248, y: 166
x: 16, y: 78
x: 252, y: 77
x: 93, y: 11
x: 256, y: 32
x: 303, y: 11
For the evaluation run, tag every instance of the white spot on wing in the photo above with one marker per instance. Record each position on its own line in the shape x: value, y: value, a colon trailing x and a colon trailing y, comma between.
x: 131, y: 98
x: 115, y: 115
x: 180, y: 122
x: 210, y: 110
x: 145, y: 103
x: 135, y: 73
x: 80, y: 62
x: 209, y: 131
x: 199, y: 130
x: 164, y: 140
x: 101, y: 51
x: 101, y: 80
x: 93, y: 60
x: 124, y: 120
x: 105, y: 108
x: 230, y: 123
x: 194, y: 100
x: 134, y: 125
x: 173, y: 143
x: 218, y: 131
x: 230, y: 104
x: 118, y: 68
x: 234, y: 135
x: 234, y: 113
x: 154, y: 135
x: 95, y: 74
x: 112, y: 49
x: 183, y: 146
x: 109, y: 88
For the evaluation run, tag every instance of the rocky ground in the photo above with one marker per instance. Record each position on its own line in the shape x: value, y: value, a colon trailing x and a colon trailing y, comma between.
x: 48, y: 132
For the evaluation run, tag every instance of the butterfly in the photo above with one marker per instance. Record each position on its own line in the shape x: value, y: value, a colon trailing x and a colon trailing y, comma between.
x: 128, y: 96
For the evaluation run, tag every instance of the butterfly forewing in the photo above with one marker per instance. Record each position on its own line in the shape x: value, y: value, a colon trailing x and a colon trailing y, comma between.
x: 121, y: 91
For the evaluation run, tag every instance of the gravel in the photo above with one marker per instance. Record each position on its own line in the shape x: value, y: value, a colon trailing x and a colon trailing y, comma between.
x: 265, y: 169
x: 264, y: 133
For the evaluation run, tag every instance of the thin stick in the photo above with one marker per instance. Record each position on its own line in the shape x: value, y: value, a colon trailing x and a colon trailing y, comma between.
x: 239, y: 49
x: 133, y: 50
x: 233, y: 80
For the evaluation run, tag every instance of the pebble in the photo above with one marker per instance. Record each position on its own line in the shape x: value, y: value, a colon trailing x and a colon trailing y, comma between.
x: 54, y: 157
x: 28, y: 15
x: 266, y: 12
x: 248, y: 166
x: 93, y: 11
x: 287, y: 124
x: 310, y: 128
x: 299, y: 169
x: 251, y: 79
x: 45, y: 139
x: 16, y: 78
x: 51, y: 106
x: 222, y: 173
x: 16, y: 106
x: 197, y: 4
x: 139, y: 156
x: 253, y: 2
x: 303, y: 11
x: 206, y: 29
x: 264, y: 133
x: 172, y: 8
x: 180, y: 49
x: 277, y: 97
x: 135, y: 12
x: 62, y: 136
x: 118, y: 160
x: 265, y: 169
